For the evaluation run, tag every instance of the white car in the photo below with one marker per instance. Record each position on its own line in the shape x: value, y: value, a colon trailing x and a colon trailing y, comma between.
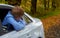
x: 33, y: 29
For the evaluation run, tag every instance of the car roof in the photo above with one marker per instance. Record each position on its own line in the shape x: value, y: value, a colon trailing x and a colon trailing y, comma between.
x: 6, y: 6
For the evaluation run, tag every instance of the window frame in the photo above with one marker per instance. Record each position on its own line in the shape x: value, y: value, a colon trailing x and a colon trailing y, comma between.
x: 31, y: 18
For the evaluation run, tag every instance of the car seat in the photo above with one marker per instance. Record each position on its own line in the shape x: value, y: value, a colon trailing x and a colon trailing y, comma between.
x: 3, y: 12
x: 2, y: 30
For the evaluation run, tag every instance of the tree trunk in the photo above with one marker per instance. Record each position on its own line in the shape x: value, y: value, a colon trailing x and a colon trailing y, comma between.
x: 58, y: 3
x: 19, y: 2
x: 53, y: 4
x: 14, y: 2
x: 48, y: 3
x: 33, y: 6
x: 45, y: 4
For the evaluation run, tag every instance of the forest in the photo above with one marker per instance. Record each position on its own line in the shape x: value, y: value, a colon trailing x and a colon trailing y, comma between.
x: 40, y: 8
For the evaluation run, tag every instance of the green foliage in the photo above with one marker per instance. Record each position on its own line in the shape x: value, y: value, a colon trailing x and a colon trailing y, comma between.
x: 0, y: 0
x: 41, y: 12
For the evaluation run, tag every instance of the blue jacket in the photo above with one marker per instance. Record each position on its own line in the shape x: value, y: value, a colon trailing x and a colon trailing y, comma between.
x: 9, y: 19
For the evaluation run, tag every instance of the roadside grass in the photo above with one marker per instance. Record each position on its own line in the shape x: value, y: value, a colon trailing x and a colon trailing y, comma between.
x: 48, y: 14
x: 51, y: 13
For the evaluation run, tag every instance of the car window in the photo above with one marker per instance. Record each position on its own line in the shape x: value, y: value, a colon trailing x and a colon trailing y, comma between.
x: 3, y: 13
x: 27, y: 19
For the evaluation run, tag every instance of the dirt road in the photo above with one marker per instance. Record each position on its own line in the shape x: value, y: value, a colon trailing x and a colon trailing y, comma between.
x: 52, y: 26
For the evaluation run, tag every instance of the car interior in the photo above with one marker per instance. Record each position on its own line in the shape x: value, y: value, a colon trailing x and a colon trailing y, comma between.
x: 3, y: 29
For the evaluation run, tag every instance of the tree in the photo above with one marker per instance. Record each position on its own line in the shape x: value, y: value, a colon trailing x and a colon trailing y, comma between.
x: 48, y: 3
x: 33, y: 6
x: 19, y: 1
x: 53, y: 4
x: 45, y: 4
x: 2, y: 1
x: 12, y: 2
x: 57, y: 3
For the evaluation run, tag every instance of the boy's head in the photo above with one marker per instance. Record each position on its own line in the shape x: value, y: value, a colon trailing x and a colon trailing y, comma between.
x: 17, y: 12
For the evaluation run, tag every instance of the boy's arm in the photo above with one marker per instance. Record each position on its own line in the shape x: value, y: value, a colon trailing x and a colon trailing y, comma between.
x: 16, y: 25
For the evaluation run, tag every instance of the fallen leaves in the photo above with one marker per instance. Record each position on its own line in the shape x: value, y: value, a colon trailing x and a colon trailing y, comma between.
x: 51, y: 24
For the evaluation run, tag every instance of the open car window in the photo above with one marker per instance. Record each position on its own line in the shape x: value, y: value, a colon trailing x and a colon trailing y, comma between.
x: 3, y: 12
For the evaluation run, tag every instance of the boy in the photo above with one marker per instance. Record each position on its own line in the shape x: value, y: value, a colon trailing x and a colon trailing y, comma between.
x: 14, y: 17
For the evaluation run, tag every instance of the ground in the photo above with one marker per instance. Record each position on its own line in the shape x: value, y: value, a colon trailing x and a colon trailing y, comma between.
x: 52, y: 26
